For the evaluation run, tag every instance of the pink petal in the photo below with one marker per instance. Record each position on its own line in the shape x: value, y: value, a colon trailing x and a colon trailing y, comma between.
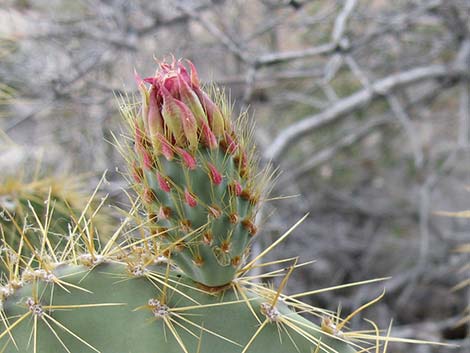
x: 194, y: 75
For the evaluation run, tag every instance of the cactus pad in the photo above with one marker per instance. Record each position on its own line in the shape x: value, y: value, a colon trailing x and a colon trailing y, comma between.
x: 196, y: 174
x: 107, y: 309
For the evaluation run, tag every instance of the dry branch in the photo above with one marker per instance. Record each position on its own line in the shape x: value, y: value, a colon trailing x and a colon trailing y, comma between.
x: 380, y: 88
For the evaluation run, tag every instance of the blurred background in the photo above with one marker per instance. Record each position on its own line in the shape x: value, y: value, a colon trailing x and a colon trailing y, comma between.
x: 363, y: 105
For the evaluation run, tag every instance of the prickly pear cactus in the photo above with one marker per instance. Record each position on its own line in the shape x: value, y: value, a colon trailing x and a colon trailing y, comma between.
x: 180, y: 281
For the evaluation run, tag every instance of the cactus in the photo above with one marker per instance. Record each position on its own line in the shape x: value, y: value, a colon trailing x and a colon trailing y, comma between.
x: 129, y: 298
x: 180, y: 281
x: 55, y: 201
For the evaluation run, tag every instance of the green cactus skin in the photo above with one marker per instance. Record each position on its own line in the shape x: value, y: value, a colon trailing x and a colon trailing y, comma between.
x: 119, y: 328
x: 196, y: 174
x: 212, y: 253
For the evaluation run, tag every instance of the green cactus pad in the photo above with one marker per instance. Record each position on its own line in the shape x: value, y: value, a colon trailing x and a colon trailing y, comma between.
x: 51, y: 205
x: 196, y: 174
x: 214, y: 231
x: 107, y: 310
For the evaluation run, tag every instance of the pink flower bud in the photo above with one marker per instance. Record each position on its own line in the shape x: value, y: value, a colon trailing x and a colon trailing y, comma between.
x: 148, y: 196
x: 136, y: 173
x: 163, y: 183
x: 183, y: 73
x: 214, y: 115
x: 164, y: 212
x: 188, y: 160
x: 209, y: 137
x: 150, y: 80
x: 236, y: 188
x: 215, y: 175
x: 139, y: 139
x: 145, y: 98
x: 154, y: 118
x: 147, y: 159
x: 189, y: 124
x: 165, y: 147
x: 231, y: 145
x: 190, y: 200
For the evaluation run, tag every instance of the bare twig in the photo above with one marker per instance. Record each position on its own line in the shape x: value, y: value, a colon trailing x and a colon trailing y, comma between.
x: 346, y: 105
x: 276, y: 58
x: 340, y: 22
x: 228, y: 42
x: 464, y: 119
x: 405, y: 121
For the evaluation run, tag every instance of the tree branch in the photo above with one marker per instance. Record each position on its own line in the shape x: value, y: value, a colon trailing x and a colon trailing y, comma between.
x: 346, y: 105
